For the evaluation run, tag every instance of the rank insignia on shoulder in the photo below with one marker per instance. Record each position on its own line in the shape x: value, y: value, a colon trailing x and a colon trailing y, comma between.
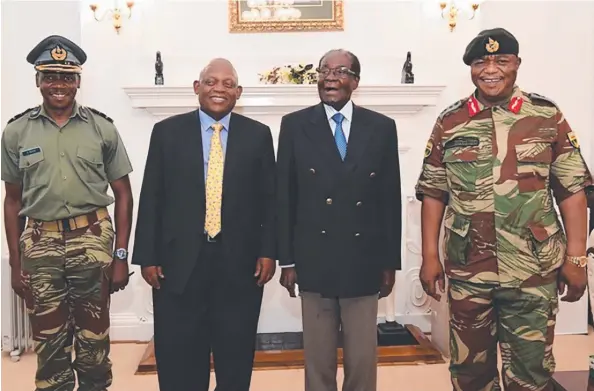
x: 573, y: 140
x: 535, y: 96
x: 428, y: 149
x: 100, y: 114
x: 450, y: 109
x: 33, y: 112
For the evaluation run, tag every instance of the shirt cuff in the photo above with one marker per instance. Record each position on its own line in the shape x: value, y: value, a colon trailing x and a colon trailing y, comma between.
x: 438, y: 194
x: 117, y: 174
x: 10, y: 179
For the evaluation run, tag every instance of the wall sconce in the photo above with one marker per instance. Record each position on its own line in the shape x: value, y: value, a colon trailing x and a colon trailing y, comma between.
x: 454, y: 10
x: 115, y: 13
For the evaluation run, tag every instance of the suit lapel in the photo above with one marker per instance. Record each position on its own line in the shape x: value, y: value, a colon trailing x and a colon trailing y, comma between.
x: 359, y: 136
x: 320, y: 134
x: 233, y: 150
x: 191, y: 142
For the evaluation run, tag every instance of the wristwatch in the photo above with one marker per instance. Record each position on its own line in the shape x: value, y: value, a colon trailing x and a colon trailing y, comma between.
x: 121, y: 254
x: 577, y: 261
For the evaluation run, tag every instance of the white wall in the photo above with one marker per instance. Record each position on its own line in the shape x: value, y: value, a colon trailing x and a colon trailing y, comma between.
x: 556, y: 43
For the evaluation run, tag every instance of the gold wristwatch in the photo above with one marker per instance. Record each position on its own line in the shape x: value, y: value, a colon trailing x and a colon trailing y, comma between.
x: 577, y: 261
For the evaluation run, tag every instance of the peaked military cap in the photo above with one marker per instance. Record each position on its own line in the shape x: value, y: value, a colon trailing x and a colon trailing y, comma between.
x: 57, y: 54
x: 493, y: 41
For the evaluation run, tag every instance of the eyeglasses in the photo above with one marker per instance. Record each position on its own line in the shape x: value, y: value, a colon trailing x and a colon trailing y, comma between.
x: 340, y: 72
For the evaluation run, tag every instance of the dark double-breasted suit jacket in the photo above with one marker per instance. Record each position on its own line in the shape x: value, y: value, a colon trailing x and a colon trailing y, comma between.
x: 339, y: 221
x: 171, y: 211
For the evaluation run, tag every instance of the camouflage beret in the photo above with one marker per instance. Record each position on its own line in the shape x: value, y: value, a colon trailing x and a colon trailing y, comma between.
x: 57, y: 54
x: 488, y: 42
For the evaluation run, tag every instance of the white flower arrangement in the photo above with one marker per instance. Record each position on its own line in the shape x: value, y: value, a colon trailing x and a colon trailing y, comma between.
x: 290, y: 74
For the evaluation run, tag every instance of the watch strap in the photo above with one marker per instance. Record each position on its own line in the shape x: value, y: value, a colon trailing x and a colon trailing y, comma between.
x: 121, y: 254
x: 577, y: 261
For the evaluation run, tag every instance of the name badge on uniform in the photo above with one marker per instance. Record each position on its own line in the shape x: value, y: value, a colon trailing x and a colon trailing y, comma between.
x: 462, y: 141
x: 31, y: 151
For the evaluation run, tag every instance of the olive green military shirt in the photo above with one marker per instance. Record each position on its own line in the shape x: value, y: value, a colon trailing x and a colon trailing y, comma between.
x: 64, y: 171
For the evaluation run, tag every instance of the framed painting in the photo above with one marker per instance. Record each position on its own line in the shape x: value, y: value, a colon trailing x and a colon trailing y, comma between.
x: 265, y: 16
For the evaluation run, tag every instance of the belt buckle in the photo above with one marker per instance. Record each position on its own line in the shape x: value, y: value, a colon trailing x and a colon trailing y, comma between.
x: 209, y: 239
x: 66, y: 225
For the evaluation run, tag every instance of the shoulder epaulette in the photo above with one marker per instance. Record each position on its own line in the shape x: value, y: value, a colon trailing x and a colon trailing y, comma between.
x: 535, y: 96
x: 100, y: 114
x: 451, y: 108
x: 19, y: 115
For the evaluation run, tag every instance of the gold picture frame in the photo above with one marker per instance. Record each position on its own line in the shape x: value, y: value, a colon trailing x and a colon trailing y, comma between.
x: 314, y: 15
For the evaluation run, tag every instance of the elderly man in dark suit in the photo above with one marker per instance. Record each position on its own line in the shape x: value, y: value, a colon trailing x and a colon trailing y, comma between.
x: 339, y: 218
x: 205, y: 236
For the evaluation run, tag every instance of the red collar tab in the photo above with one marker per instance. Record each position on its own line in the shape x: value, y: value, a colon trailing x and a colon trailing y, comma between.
x: 515, y: 104
x: 473, y: 106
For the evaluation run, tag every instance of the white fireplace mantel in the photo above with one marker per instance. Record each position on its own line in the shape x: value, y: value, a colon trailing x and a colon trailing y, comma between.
x: 393, y: 100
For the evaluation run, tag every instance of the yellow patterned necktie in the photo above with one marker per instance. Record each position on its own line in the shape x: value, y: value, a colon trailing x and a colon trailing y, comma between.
x: 214, y: 183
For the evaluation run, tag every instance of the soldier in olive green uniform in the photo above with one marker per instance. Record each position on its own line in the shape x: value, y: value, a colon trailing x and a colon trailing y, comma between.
x: 495, y: 163
x: 58, y: 160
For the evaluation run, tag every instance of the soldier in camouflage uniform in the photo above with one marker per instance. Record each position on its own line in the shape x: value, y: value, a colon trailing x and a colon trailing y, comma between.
x: 495, y: 162
x: 58, y: 160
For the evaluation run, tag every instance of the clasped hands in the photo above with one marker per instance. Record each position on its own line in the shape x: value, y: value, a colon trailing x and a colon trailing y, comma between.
x: 265, y: 269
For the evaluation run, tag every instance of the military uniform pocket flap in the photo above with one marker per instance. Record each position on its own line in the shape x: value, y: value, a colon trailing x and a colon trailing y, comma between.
x: 537, y: 152
x: 541, y: 232
x: 456, y: 223
x: 30, y: 157
x: 91, y: 155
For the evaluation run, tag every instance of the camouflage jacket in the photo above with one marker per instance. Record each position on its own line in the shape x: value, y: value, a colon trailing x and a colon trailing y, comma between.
x: 497, y: 170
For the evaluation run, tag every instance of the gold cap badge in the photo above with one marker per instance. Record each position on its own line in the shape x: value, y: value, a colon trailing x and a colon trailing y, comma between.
x: 58, y: 53
x: 492, y: 46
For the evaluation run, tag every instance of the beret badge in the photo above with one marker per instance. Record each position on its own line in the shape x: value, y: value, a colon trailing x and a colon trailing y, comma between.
x: 492, y: 46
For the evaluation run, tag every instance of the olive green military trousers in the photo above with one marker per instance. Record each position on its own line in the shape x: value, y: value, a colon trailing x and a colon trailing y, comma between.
x: 68, y: 304
x: 521, y: 320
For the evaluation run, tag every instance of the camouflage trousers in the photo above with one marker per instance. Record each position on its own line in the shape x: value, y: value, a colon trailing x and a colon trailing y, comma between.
x: 68, y: 304
x: 521, y: 320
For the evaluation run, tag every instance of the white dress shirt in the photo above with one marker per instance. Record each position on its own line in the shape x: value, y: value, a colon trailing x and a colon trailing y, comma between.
x: 347, y: 112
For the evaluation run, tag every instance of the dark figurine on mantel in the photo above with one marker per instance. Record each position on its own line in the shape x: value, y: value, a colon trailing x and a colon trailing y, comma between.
x: 407, y: 75
x: 159, y: 80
